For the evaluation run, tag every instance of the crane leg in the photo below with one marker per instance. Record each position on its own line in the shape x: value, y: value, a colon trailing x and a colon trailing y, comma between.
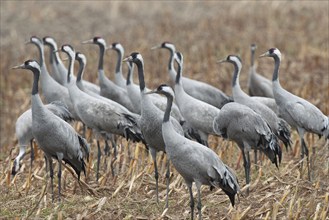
x: 106, y: 153
x: 156, y: 174
x: 46, y: 162
x: 51, y: 171
x: 246, y: 164
x: 59, y: 174
x: 114, y: 146
x: 191, y: 200
x: 167, y: 178
x: 32, y: 153
x: 306, y: 153
x: 98, y: 160
x: 199, y: 202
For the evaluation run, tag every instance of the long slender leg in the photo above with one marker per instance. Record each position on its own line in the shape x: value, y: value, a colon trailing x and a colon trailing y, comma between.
x: 304, y: 151
x: 167, y: 178
x: 246, y: 164
x: 156, y: 174
x: 32, y: 153
x: 47, y: 163
x: 189, y: 186
x: 106, y: 153
x: 114, y: 146
x: 51, y: 171
x: 307, y: 159
x: 199, y: 200
x: 59, y: 174
x: 98, y: 160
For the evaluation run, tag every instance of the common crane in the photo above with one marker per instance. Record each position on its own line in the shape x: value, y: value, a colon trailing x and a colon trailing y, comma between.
x: 194, y: 161
x: 298, y: 112
x: 54, y: 136
x: 151, y: 119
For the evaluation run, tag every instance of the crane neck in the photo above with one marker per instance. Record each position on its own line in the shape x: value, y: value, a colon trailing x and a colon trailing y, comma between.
x: 80, y: 70
x: 42, y: 53
x: 236, y: 75
x: 166, y: 116
x: 70, y: 69
x: 130, y: 75
x: 52, y: 54
x: 171, y: 59
x: 56, y: 55
x: 35, y: 87
x: 179, y: 74
x: 277, y: 62
x: 101, y: 57
x: 252, y: 59
x: 118, y: 67
x: 140, y: 69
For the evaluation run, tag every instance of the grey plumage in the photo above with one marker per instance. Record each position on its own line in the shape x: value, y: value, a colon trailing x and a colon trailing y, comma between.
x: 151, y: 120
x: 258, y: 85
x: 249, y: 130
x: 199, y: 90
x: 97, y: 114
x: 279, y: 128
x: 59, y: 70
x: 23, y: 129
x: 296, y: 111
x: 197, y: 113
x: 269, y: 102
x: 194, y: 161
x: 108, y: 88
x: 54, y: 136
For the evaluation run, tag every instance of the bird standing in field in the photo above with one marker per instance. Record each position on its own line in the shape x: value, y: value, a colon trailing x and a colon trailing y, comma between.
x: 54, y: 136
x: 151, y: 120
x: 199, y: 90
x: 23, y: 128
x: 298, y: 112
x: 249, y: 130
x: 194, y: 161
x: 99, y: 115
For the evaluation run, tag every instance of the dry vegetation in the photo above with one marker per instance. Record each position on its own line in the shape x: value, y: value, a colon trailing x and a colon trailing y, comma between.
x: 203, y: 32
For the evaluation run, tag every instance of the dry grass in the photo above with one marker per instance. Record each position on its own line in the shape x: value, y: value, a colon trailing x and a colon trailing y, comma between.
x: 204, y: 32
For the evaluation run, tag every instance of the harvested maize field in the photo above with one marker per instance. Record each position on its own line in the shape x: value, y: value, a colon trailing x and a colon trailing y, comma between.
x: 204, y: 32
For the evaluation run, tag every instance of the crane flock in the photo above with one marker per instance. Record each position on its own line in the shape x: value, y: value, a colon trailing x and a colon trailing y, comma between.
x: 176, y: 120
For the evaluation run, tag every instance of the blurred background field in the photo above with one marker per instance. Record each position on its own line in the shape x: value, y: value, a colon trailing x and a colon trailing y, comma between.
x: 204, y: 32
